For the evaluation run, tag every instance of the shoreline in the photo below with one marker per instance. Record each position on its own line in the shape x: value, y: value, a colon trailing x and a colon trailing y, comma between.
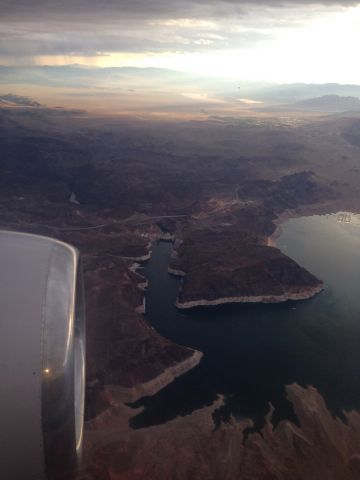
x: 306, y: 295
x: 271, y: 241
x: 176, y: 273
x: 142, y: 286
x: 329, y: 208
x: 169, y: 374
x: 153, y: 386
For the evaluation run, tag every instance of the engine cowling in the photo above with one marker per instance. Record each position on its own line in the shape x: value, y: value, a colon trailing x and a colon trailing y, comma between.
x: 42, y: 357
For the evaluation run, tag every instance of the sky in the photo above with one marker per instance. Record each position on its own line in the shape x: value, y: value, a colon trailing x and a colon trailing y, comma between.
x: 269, y: 40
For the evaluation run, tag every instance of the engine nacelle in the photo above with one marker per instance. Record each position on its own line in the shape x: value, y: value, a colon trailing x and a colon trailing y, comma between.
x: 42, y: 357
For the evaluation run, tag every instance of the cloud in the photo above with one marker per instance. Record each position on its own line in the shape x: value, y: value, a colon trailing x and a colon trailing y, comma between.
x: 18, y: 40
x: 72, y: 9
x: 30, y: 29
x: 38, y: 28
x: 178, y: 13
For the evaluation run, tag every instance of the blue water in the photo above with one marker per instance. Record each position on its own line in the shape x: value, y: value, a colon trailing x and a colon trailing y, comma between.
x: 252, y: 351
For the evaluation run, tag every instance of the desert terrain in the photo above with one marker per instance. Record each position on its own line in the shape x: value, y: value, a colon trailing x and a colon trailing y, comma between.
x: 218, y: 187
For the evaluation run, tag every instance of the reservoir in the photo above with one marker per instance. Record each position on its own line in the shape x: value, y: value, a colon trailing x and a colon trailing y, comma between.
x: 252, y: 351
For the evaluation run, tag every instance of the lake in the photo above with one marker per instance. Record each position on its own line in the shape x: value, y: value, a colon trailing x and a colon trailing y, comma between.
x: 251, y: 351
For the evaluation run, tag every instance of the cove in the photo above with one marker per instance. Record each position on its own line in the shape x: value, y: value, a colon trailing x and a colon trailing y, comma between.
x: 252, y: 351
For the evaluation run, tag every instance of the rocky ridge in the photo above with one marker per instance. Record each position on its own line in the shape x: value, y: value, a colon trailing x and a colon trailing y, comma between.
x: 319, y: 447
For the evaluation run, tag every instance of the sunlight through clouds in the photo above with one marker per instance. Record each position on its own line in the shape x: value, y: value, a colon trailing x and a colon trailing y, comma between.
x: 323, y: 48
x: 292, y: 42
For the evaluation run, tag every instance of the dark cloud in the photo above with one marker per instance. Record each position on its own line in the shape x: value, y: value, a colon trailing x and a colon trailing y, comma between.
x: 90, y: 9
x: 31, y: 28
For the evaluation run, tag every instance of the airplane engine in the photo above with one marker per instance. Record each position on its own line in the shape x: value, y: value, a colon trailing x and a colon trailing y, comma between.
x: 42, y: 357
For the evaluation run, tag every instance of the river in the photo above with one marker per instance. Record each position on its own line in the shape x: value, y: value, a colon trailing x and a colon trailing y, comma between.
x: 252, y: 351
